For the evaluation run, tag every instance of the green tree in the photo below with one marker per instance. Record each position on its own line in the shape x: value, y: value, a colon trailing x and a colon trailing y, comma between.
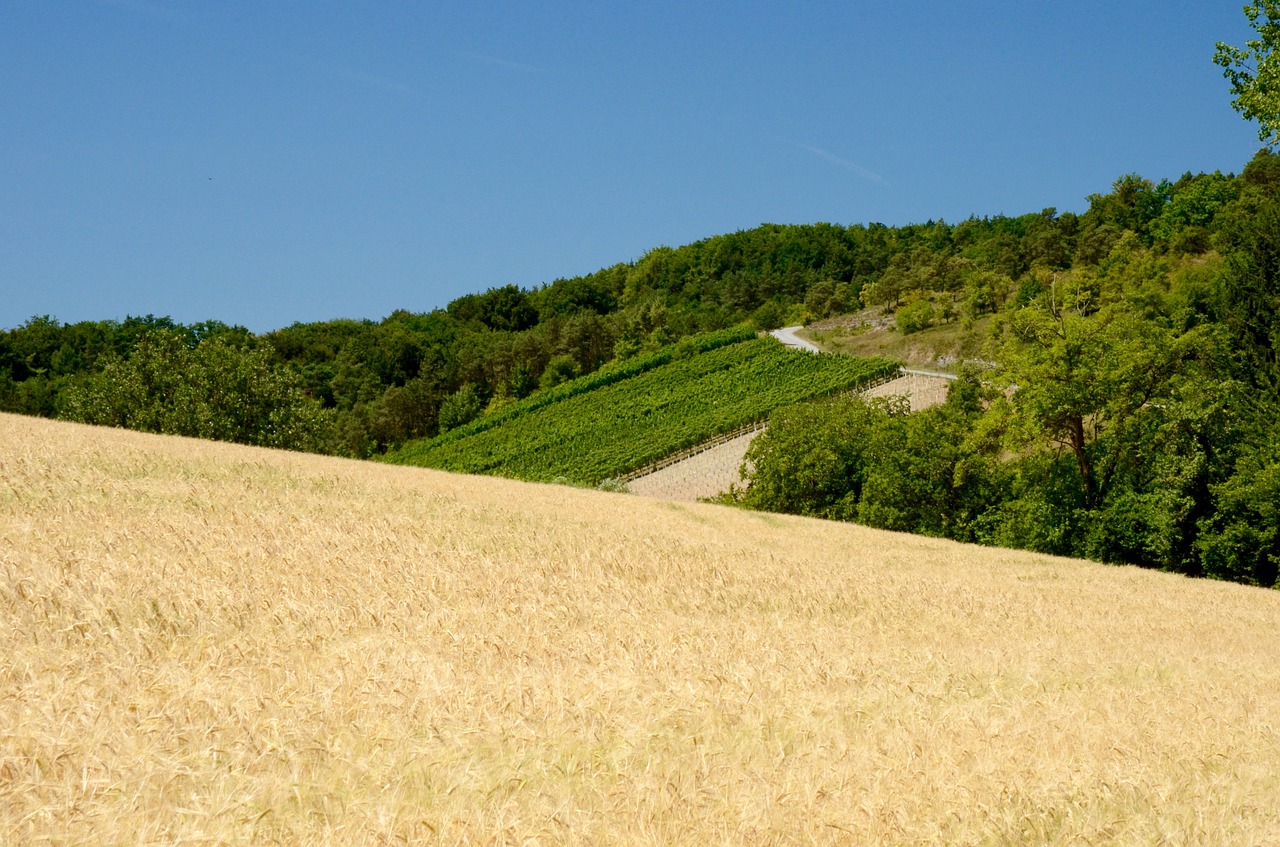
x: 560, y: 369
x: 1193, y: 204
x: 507, y: 308
x: 214, y: 391
x: 768, y: 316
x: 1075, y: 375
x: 1249, y: 289
x: 1254, y: 70
x: 912, y: 483
x: 463, y: 406
x: 813, y: 459
x: 1133, y: 203
x: 1241, y: 538
x: 916, y: 316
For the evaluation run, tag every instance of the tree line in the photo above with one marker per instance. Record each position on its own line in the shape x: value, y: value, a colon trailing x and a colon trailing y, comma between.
x: 377, y: 384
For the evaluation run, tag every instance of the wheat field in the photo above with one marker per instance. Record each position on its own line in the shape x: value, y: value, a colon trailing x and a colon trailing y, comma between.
x: 209, y: 644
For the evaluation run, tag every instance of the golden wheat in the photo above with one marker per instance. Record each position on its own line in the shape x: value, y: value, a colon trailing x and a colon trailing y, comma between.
x: 209, y: 644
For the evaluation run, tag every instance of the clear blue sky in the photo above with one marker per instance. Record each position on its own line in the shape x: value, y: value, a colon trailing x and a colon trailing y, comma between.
x: 262, y: 163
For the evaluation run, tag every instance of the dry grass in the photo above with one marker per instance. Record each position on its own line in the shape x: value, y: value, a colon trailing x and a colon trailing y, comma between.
x: 869, y: 333
x: 206, y: 644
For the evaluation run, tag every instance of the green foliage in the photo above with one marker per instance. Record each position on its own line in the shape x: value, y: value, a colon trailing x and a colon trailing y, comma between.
x: 917, y: 315
x: 1076, y: 374
x: 560, y: 369
x: 1254, y: 70
x: 1039, y: 508
x: 1194, y: 203
x: 1248, y: 300
x: 768, y: 316
x: 507, y: 308
x: 1241, y: 539
x: 459, y: 408
x: 213, y: 390
x: 608, y: 375
x: 812, y: 460
x: 984, y: 293
x: 914, y: 482
x: 596, y: 294
x: 1122, y: 424
x: 1134, y: 202
x: 872, y: 462
x: 1262, y: 173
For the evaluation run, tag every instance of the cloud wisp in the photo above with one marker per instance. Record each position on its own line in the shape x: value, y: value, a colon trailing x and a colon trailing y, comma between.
x: 494, y: 60
x: 372, y: 80
x: 843, y: 163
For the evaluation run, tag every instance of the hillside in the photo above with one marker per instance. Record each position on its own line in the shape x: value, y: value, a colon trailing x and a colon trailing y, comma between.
x: 381, y: 384
x: 202, y: 642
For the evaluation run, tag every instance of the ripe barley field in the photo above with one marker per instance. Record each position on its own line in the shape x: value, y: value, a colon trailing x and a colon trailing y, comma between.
x: 209, y: 644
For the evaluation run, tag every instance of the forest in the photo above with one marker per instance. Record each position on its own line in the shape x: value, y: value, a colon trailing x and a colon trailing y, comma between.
x: 1125, y: 408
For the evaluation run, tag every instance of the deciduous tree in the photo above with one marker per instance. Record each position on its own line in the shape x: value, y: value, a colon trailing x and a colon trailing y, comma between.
x: 1254, y: 70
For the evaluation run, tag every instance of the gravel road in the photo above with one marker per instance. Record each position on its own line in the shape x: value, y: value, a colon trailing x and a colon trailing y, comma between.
x: 787, y: 335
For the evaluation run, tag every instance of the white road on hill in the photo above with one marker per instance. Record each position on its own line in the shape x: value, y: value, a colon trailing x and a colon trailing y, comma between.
x: 787, y: 335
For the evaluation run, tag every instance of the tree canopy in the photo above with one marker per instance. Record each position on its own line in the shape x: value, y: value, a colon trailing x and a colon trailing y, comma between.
x: 1254, y: 70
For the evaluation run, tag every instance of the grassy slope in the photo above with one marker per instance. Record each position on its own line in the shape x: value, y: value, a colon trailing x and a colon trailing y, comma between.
x: 208, y: 643
x: 940, y: 348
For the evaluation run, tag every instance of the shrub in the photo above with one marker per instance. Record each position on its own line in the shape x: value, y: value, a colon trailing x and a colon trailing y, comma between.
x: 461, y: 407
x: 915, y: 316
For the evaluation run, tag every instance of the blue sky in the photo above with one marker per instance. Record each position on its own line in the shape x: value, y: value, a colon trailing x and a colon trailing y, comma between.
x: 269, y: 162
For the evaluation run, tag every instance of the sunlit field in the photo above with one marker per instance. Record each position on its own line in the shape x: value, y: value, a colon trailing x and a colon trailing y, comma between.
x: 209, y: 644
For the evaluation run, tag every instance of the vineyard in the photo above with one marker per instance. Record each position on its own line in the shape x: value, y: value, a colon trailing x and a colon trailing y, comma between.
x: 607, y: 375
x: 606, y: 424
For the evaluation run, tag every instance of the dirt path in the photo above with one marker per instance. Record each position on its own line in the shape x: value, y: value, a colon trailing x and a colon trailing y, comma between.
x: 787, y: 335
